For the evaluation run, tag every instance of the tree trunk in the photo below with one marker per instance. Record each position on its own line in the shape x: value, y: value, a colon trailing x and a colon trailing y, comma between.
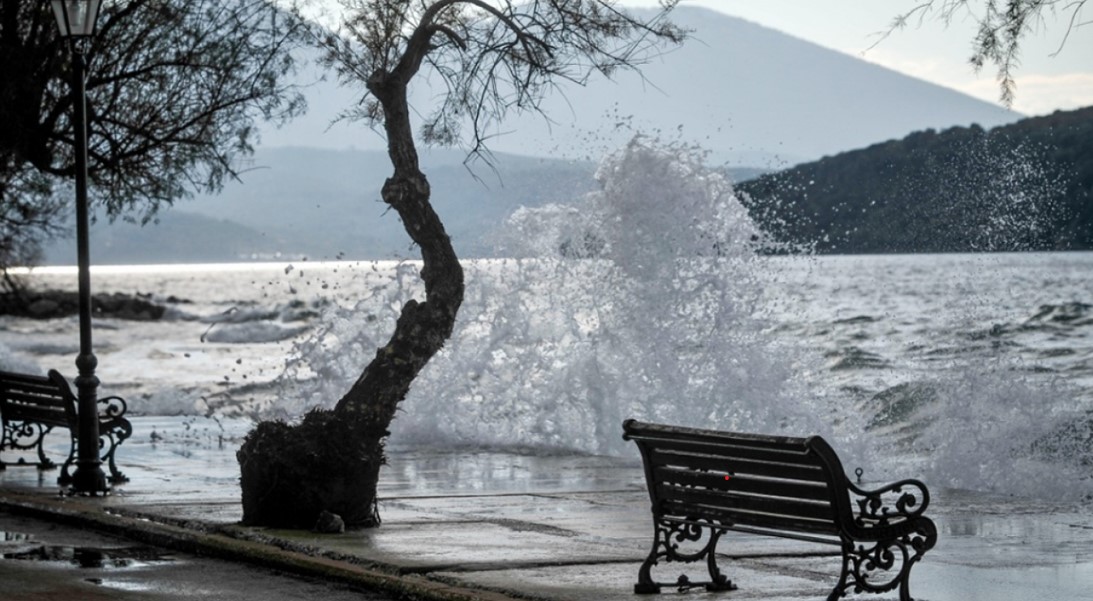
x: 331, y: 461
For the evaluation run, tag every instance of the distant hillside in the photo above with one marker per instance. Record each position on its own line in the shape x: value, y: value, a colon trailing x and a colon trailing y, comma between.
x: 1024, y: 186
x: 324, y: 204
x: 327, y: 203
x: 175, y: 237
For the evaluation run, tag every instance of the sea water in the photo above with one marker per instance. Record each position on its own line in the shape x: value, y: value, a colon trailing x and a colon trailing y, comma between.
x: 646, y: 299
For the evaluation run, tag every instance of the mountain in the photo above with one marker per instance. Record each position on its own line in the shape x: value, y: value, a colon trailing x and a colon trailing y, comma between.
x: 751, y: 95
x: 324, y: 204
x: 293, y: 202
x: 174, y: 237
x: 1023, y: 186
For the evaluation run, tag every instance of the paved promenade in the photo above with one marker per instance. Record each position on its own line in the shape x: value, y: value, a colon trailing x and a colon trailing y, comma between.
x: 502, y: 525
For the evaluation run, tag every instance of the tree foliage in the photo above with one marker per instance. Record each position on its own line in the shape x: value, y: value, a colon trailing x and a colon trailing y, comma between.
x: 1001, y: 28
x: 175, y: 89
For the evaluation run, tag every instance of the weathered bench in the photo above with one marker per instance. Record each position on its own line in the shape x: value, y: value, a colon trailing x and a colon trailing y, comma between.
x: 31, y: 406
x: 703, y: 483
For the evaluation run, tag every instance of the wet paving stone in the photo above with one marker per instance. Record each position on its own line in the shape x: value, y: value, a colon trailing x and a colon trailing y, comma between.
x: 42, y: 560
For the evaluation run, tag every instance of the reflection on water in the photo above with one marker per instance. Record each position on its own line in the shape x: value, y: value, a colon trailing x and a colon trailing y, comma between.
x: 91, y: 557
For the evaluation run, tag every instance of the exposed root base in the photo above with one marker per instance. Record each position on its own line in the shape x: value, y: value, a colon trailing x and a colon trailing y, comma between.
x: 290, y: 474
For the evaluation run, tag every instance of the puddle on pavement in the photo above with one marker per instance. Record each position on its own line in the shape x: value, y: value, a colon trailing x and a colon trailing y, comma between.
x: 89, y: 557
x: 20, y: 546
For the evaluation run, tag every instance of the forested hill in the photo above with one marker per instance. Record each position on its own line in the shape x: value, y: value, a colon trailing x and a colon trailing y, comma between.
x: 1023, y: 186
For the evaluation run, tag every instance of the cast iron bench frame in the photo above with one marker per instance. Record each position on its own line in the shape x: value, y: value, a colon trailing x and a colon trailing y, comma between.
x: 31, y: 406
x: 706, y: 480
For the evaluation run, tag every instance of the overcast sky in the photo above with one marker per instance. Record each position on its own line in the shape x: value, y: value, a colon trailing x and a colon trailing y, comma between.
x: 932, y: 51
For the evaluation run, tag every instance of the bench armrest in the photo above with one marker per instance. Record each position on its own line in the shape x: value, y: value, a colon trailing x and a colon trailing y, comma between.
x: 115, y: 407
x: 903, y: 500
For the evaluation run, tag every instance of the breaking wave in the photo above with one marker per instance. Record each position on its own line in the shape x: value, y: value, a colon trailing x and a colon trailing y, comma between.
x: 648, y: 299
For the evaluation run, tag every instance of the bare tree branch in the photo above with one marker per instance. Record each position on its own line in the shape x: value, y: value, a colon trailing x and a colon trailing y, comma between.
x: 511, y: 55
x: 1002, y: 27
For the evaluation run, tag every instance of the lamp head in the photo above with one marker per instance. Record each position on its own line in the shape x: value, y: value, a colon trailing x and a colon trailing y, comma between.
x: 76, y: 18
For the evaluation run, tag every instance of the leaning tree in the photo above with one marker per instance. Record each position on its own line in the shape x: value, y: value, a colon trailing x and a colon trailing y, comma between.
x: 491, y: 58
x: 175, y: 90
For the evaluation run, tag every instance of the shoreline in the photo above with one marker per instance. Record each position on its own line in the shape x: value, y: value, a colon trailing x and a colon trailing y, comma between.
x: 51, y: 303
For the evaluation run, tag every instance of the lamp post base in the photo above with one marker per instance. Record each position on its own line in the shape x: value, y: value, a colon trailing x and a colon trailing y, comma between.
x: 89, y: 479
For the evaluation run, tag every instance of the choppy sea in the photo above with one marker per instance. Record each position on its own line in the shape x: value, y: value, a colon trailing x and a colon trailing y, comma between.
x: 969, y: 352
x: 970, y: 371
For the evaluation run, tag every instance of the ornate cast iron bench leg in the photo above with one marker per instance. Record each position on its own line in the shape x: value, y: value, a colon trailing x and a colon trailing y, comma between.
x: 34, y: 431
x: 861, y: 563
x: 112, y: 433
x: 114, y: 437
x: 115, y: 430
x: 44, y: 463
x: 66, y: 477
x: 109, y: 439
x: 663, y: 547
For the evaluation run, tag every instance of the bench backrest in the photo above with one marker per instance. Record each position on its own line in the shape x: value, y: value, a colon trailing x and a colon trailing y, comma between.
x: 769, y: 484
x: 39, y: 399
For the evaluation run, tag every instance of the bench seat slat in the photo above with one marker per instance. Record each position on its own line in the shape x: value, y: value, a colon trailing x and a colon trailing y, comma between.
x: 812, y: 491
x: 642, y: 431
x: 731, y: 501
x: 28, y: 413
x: 730, y: 518
x: 823, y: 537
x: 14, y: 378
x: 36, y: 389
x: 730, y: 465
x: 36, y: 398
x: 784, y: 454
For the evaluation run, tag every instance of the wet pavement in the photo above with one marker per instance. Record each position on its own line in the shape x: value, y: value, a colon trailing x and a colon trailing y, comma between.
x: 45, y: 560
x: 483, y: 525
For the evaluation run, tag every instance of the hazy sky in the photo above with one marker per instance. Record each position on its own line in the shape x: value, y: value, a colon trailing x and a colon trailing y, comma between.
x: 932, y: 51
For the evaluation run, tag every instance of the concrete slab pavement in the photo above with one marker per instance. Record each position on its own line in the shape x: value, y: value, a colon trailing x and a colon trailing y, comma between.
x: 480, y: 524
x: 44, y: 560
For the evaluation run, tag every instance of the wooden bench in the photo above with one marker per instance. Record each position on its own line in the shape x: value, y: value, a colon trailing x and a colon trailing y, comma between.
x: 31, y: 406
x: 703, y: 483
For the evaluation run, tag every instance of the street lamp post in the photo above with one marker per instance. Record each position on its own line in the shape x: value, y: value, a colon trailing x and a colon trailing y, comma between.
x: 76, y: 20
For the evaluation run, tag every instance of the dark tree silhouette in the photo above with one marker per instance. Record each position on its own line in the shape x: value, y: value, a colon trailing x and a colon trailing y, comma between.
x: 494, y: 57
x: 1025, y: 186
x: 175, y: 89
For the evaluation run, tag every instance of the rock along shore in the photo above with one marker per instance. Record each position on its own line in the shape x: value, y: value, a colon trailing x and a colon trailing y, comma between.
x: 53, y: 304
